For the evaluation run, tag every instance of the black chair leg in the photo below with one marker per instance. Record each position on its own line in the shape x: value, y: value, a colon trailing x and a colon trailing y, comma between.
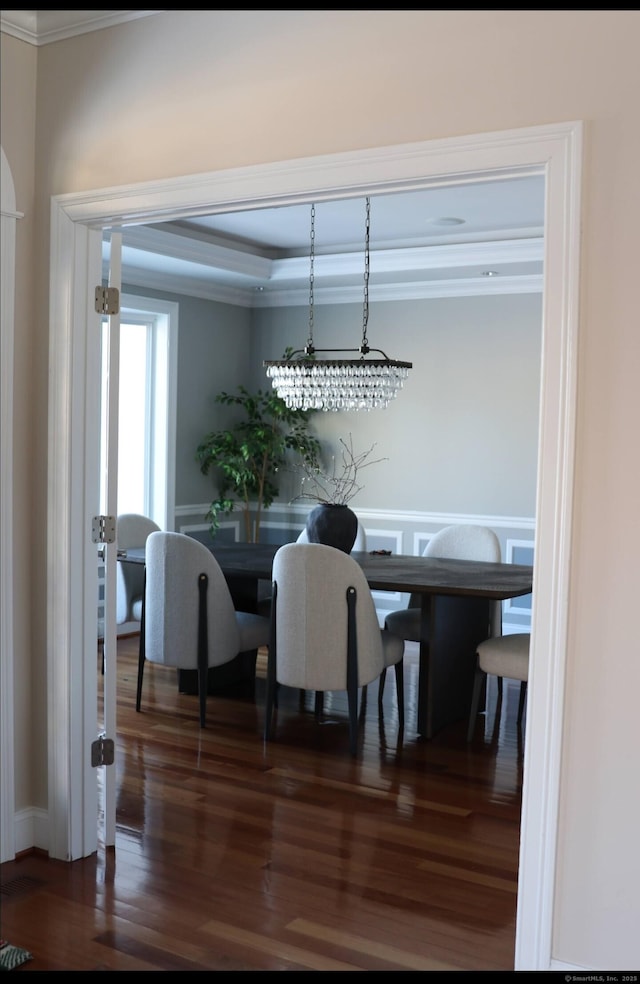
x: 521, y: 701
x: 202, y: 695
x: 271, y: 696
x: 352, y: 700
x: 140, y: 672
x: 400, y: 692
x: 141, y: 642
x: 383, y: 677
x: 364, y: 692
x: 352, y: 670
x: 203, y: 647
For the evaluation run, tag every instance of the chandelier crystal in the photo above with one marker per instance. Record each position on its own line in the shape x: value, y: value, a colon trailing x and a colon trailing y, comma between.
x: 305, y: 382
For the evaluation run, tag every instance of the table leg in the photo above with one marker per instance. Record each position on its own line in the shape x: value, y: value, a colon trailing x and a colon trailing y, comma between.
x: 453, y: 627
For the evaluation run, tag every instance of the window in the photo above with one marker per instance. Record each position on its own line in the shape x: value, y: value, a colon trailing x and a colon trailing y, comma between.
x: 147, y: 408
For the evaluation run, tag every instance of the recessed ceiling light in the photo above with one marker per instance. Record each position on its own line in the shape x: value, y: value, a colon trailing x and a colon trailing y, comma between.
x: 446, y: 220
x: 490, y: 273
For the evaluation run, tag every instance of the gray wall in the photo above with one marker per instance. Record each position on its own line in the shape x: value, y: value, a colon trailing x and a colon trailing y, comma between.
x: 460, y: 438
x: 462, y: 435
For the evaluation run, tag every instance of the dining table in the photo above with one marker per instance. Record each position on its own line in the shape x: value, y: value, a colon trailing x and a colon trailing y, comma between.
x: 456, y: 601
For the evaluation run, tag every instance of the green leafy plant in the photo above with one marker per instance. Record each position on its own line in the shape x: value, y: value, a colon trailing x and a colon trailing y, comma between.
x: 249, y: 455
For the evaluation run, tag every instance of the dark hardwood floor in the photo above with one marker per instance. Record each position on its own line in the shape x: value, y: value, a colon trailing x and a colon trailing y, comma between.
x: 233, y: 854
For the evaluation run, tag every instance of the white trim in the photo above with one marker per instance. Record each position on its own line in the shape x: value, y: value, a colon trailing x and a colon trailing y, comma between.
x: 72, y: 587
x: 556, y: 450
x: 203, y: 527
x: 389, y: 516
x: 7, y: 655
x: 554, y: 150
x: 201, y: 268
x: 191, y: 286
x: 436, y: 163
x: 31, y: 829
x: 446, y: 519
x: 44, y: 26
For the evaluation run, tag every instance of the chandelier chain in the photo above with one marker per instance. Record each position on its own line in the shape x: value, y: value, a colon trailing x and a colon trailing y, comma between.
x: 364, y: 349
x: 312, y: 253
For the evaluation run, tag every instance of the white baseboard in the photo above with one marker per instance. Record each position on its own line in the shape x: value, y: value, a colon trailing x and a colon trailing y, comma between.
x: 31, y: 829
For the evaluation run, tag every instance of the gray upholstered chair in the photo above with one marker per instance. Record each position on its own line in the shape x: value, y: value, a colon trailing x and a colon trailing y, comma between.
x: 132, y: 531
x: 325, y: 630
x: 502, y: 656
x: 459, y: 542
x: 360, y: 544
x: 189, y: 617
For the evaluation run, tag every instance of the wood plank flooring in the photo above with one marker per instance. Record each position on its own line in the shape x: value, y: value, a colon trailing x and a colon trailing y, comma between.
x: 233, y: 854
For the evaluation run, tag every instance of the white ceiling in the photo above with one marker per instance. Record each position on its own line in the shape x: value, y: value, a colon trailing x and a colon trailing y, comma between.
x: 260, y: 257
x: 437, y: 242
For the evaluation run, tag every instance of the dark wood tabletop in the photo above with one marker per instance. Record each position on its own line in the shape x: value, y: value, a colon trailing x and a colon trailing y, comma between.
x: 396, y: 572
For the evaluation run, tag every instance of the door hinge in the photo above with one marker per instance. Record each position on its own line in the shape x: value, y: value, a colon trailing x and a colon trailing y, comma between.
x: 102, y: 752
x: 103, y: 529
x: 107, y: 300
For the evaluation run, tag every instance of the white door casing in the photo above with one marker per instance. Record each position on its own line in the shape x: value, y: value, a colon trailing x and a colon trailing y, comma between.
x: 552, y: 150
x: 9, y: 217
x: 110, y: 492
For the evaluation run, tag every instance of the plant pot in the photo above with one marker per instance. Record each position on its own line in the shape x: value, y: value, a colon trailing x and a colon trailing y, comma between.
x: 333, y: 525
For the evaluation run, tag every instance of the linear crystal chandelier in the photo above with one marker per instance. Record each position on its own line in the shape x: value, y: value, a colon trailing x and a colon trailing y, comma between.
x: 305, y: 382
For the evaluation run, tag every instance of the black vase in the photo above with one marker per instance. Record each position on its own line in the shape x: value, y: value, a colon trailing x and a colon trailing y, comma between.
x: 334, y: 525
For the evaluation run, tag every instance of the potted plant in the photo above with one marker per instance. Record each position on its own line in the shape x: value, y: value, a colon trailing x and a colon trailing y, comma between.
x: 332, y: 521
x: 249, y: 455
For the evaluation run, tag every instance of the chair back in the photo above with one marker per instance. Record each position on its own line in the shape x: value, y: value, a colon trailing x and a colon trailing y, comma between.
x: 175, y: 563
x: 465, y: 541
x: 311, y: 618
x: 132, y: 530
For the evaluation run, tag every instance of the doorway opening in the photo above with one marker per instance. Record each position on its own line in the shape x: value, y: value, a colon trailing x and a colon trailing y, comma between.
x: 554, y: 150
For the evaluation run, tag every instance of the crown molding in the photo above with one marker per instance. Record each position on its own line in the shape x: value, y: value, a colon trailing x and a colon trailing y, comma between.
x: 252, y: 298
x: 260, y: 282
x: 39, y: 27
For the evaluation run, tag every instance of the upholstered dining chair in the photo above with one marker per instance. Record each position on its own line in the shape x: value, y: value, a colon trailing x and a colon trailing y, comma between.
x: 463, y: 541
x: 132, y: 530
x: 190, y: 619
x: 325, y: 634
x: 502, y: 656
x: 360, y: 544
